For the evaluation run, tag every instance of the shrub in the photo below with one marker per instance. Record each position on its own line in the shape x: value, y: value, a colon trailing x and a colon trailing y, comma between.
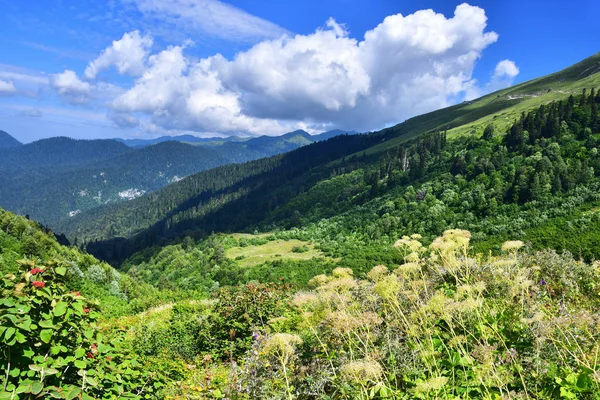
x: 53, y: 347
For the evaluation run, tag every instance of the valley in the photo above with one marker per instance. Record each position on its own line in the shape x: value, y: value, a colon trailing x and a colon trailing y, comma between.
x: 436, y: 255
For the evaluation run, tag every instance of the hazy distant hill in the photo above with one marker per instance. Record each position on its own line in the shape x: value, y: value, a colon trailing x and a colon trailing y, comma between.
x: 60, y: 152
x: 58, y: 178
x: 7, y: 141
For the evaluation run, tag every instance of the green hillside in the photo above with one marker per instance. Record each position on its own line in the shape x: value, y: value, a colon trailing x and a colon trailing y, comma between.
x: 349, y: 182
x: 54, y: 179
x: 451, y: 261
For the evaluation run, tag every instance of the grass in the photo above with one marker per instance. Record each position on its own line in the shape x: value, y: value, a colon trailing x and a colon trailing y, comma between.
x: 251, y: 256
x: 501, y: 108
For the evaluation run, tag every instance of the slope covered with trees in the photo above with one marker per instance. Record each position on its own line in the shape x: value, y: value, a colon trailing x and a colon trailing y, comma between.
x: 534, y: 174
x: 7, y: 141
x: 392, y: 304
x: 54, y: 179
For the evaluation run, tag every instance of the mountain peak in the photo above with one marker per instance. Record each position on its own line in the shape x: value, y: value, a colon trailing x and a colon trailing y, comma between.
x: 7, y: 141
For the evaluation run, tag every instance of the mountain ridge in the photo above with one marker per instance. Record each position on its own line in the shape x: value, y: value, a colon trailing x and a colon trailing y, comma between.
x: 290, y: 175
x: 7, y: 141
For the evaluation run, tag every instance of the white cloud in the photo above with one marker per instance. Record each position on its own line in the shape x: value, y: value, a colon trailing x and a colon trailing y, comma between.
x: 405, y: 66
x: 7, y: 88
x: 33, y: 112
x: 68, y: 85
x: 504, y: 75
x: 182, y: 95
x: 506, y: 69
x: 211, y: 17
x: 128, y: 55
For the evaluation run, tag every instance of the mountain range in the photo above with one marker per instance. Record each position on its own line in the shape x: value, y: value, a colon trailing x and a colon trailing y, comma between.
x: 348, y: 173
x: 452, y: 255
x: 57, y: 178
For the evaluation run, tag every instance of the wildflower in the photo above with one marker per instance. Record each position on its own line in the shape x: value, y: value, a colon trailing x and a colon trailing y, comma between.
x: 432, y: 384
x: 305, y: 300
x: 542, y: 282
x: 38, y: 284
x: 282, y: 345
x: 342, y: 272
x: 343, y: 322
x: 377, y: 272
x: 255, y: 335
x: 361, y: 371
x: 512, y: 245
x: 407, y: 269
x: 388, y: 287
x: 340, y: 285
x: 318, y: 280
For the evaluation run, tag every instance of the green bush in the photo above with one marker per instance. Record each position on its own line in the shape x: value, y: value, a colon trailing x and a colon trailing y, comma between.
x: 53, y: 347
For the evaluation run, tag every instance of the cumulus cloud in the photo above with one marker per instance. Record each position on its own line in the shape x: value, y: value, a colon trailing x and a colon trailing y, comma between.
x: 211, y: 17
x: 504, y: 75
x: 128, y: 55
x: 68, y: 85
x: 7, y: 88
x: 506, y: 69
x: 405, y: 66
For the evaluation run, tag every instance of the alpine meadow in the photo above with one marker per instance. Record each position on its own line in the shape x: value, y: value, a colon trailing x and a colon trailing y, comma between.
x: 217, y: 200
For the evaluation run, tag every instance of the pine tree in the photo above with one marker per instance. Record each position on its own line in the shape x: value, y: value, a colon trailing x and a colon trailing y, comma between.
x: 488, y: 132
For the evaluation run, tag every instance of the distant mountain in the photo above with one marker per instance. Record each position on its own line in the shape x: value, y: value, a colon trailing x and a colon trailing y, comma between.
x: 60, y: 152
x: 7, y: 141
x: 181, y: 138
x: 333, y: 133
x: 217, y: 141
x: 430, y: 173
x: 58, y: 178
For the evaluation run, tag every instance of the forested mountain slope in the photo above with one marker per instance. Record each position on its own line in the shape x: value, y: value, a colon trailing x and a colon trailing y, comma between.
x: 352, y: 175
x: 7, y: 141
x: 55, y: 179
x: 23, y: 239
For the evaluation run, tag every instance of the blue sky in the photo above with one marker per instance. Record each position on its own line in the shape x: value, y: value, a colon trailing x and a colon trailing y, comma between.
x: 144, y: 68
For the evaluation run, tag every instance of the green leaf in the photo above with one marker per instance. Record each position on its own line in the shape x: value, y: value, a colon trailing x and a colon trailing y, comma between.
x: 9, y: 333
x: 61, y: 271
x: 80, y: 364
x: 91, y: 381
x: 20, y: 337
x: 72, y: 393
x: 46, y: 335
x: 60, y: 308
x: 25, y: 387
x: 37, y: 387
x: 47, y: 323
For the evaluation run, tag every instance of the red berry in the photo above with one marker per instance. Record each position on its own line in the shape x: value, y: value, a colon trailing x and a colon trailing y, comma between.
x: 38, y: 284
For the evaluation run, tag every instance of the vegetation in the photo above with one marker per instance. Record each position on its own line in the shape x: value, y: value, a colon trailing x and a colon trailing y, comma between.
x: 54, y: 179
x: 491, y: 292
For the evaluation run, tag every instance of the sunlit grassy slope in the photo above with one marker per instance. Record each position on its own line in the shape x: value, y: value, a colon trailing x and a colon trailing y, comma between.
x: 501, y: 108
x: 252, y: 255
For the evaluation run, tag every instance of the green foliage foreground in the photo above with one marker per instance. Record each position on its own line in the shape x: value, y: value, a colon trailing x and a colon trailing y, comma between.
x: 51, y: 347
x: 443, y: 324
